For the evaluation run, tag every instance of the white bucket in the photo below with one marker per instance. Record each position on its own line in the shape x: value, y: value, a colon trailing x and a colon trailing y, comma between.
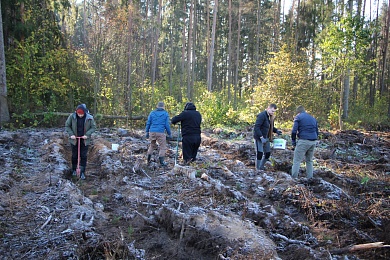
x: 114, y: 147
x: 279, y: 144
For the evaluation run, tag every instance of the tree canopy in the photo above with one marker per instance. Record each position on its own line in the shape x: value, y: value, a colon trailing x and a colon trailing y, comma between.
x: 232, y: 58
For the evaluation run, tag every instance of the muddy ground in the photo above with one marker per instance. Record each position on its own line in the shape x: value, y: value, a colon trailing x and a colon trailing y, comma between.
x: 219, y: 207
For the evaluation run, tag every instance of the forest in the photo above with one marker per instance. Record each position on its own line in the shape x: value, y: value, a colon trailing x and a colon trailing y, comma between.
x: 232, y: 58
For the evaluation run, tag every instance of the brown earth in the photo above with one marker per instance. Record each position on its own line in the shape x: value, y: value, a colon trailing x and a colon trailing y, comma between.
x: 216, y: 208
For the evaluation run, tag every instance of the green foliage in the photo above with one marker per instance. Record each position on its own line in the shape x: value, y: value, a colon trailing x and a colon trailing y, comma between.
x: 364, y: 180
x: 372, y: 118
x: 216, y: 110
x: 40, y: 81
x: 286, y: 83
x: 333, y: 117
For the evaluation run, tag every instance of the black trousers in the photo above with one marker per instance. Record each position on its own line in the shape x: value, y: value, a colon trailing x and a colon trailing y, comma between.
x: 83, y: 154
x: 191, y: 145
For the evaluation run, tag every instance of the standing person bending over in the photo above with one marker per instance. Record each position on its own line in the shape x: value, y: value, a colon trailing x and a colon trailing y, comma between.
x: 157, y: 124
x: 190, y: 120
x: 263, y: 133
x: 306, y: 128
x: 80, y: 124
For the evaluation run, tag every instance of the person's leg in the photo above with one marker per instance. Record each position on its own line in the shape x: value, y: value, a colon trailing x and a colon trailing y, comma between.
x: 309, y: 160
x: 299, y: 153
x: 162, y: 141
x: 186, y: 149
x: 83, y: 154
x: 196, y: 140
x: 74, y: 158
x: 259, y: 153
x: 83, y: 159
x: 267, y: 154
x: 153, y: 143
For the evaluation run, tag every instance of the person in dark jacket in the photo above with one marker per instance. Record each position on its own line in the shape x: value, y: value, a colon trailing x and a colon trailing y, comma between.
x: 157, y: 124
x: 263, y: 134
x: 306, y: 128
x: 190, y: 120
x: 80, y: 124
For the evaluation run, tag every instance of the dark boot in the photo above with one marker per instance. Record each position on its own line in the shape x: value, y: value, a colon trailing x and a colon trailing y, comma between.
x: 162, y: 163
x: 262, y: 163
x: 149, y: 158
x: 257, y: 164
x: 82, y: 172
x: 74, y: 167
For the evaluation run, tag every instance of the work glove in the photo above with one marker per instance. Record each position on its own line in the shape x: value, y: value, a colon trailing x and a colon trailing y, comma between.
x: 147, y: 136
x: 168, y: 138
x: 294, y: 143
x: 263, y: 140
x: 279, y: 132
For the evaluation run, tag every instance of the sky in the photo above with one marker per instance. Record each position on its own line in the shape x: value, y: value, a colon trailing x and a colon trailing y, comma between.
x: 371, y: 5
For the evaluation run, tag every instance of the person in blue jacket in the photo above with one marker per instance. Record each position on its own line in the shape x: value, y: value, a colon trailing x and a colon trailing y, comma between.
x: 157, y: 124
x: 263, y: 134
x: 80, y: 124
x: 190, y: 120
x: 306, y: 129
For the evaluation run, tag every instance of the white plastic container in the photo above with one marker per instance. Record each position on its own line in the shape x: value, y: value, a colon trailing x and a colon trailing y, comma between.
x: 279, y: 144
x: 115, y: 147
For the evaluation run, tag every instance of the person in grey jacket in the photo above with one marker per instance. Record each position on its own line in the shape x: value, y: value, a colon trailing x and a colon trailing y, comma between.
x: 157, y: 124
x: 263, y: 134
x: 80, y: 124
x: 306, y: 129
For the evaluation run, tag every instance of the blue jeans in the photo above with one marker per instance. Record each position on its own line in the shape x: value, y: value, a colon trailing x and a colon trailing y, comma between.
x: 303, y: 150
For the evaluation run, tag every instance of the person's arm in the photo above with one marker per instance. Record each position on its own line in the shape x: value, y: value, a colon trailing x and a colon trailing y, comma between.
x: 177, y: 118
x: 167, y: 126
x: 92, y: 128
x: 148, y: 123
x: 68, y: 125
x: 259, y: 122
x: 294, y: 131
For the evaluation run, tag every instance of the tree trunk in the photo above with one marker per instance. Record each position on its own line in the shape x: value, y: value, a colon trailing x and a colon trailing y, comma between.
x: 229, y: 67
x: 384, y: 51
x: 189, y: 51
x: 155, y: 38
x: 345, y: 94
x: 183, y: 49
x: 129, y: 59
x: 237, y: 63
x: 211, y: 54
x: 4, y: 113
x: 257, y: 48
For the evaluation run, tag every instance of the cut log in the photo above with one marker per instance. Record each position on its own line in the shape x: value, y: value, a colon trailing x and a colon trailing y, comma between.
x: 358, y: 247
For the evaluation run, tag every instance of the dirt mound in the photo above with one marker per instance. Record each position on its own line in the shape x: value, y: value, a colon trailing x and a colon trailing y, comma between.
x: 216, y: 208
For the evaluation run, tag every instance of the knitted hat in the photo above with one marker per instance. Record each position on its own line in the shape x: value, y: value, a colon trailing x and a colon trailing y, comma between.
x: 160, y: 104
x: 80, y: 111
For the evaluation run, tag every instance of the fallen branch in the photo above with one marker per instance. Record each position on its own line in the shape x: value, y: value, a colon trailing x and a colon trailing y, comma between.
x: 358, y: 247
x: 47, y: 222
x: 291, y: 241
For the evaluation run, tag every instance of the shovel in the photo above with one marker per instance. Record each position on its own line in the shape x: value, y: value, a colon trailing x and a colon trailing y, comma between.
x: 177, y: 145
x: 78, y: 156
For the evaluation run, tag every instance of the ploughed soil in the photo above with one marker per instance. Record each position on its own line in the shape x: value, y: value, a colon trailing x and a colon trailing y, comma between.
x: 218, y: 207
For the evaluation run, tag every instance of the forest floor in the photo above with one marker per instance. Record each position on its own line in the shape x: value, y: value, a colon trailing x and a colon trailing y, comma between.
x: 219, y: 207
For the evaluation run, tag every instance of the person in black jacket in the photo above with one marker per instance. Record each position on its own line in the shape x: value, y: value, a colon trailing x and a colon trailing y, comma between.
x: 190, y: 120
x: 263, y: 133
